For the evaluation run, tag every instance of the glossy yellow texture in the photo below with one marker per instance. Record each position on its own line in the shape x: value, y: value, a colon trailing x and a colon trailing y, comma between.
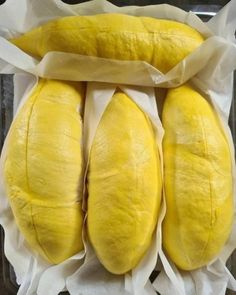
x: 198, y: 180
x: 124, y: 185
x: 162, y: 43
x: 42, y: 170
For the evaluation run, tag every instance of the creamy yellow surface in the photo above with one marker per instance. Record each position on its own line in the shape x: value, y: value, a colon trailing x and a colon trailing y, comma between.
x: 198, y: 180
x: 124, y: 185
x: 43, y: 167
x: 161, y: 43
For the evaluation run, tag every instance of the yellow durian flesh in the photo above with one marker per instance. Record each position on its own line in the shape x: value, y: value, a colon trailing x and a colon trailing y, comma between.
x: 124, y: 186
x: 161, y: 43
x: 198, y: 180
x: 42, y: 169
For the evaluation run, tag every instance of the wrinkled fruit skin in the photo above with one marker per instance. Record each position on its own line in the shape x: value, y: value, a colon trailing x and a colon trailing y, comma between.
x: 198, y: 180
x: 42, y: 169
x: 161, y: 43
x: 124, y: 186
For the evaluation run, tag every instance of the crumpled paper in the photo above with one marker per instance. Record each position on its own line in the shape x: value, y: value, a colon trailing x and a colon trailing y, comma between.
x: 209, y: 68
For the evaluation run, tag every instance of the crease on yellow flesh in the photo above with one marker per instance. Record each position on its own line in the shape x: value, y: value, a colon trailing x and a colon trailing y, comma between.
x: 161, y: 43
x: 198, y: 180
x: 124, y: 186
x: 42, y: 169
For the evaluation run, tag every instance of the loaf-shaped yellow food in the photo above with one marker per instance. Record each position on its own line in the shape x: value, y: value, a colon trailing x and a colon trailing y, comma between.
x: 161, y: 43
x: 124, y: 185
x: 198, y: 180
x: 42, y: 169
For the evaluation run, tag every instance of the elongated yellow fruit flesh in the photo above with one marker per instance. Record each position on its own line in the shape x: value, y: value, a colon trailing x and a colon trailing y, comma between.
x: 161, y: 43
x: 42, y: 169
x: 198, y: 180
x: 124, y: 186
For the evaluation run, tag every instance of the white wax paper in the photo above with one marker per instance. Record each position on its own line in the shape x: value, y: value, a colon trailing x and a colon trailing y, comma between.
x: 209, y: 68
